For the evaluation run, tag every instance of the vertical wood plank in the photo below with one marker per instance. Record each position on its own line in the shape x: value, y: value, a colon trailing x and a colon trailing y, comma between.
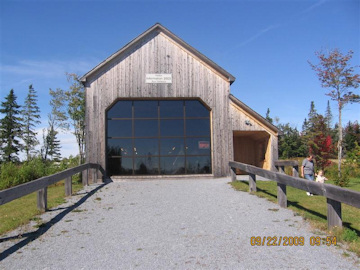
x: 252, y: 182
x: 68, y: 186
x: 42, y: 199
x: 333, y: 213
x: 281, y: 195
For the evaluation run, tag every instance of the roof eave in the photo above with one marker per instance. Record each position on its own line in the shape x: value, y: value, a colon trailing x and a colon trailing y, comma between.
x: 159, y: 27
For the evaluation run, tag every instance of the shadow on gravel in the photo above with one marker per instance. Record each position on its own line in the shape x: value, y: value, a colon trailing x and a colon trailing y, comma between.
x: 31, y: 236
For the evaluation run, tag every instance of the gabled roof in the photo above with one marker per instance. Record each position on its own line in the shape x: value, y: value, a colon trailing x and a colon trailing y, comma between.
x: 257, y: 116
x: 159, y: 28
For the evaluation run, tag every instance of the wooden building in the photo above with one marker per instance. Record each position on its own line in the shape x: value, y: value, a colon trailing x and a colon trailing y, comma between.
x: 159, y: 107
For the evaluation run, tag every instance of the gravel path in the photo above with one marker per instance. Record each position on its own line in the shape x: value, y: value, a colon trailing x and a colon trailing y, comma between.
x: 166, y: 224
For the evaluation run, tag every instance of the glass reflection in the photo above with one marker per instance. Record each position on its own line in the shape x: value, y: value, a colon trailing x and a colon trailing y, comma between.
x: 172, y: 165
x: 197, y: 127
x: 146, y: 165
x: 195, y: 108
x: 172, y: 147
x: 120, y: 166
x: 121, y: 109
x: 146, y: 109
x: 198, y: 146
x: 146, y: 147
x: 152, y: 139
x: 171, y: 109
x: 119, y: 128
x: 146, y: 128
x: 120, y: 147
x: 198, y: 165
x: 172, y: 127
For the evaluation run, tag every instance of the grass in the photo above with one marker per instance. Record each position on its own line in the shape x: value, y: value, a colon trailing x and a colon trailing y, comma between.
x: 21, y: 211
x: 314, y: 210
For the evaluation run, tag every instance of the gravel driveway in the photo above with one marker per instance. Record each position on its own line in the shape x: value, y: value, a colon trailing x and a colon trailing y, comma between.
x: 166, y: 224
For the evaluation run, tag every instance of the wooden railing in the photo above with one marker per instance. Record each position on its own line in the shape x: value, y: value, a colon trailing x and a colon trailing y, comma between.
x: 334, y: 194
x: 40, y: 185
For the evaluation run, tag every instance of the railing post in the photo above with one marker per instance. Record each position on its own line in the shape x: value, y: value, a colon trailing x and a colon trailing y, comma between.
x: 252, y: 182
x: 68, y: 186
x: 281, y: 190
x: 233, y: 174
x: 295, y: 171
x: 333, y: 213
x: 42, y: 199
x: 94, y: 175
x: 86, y: 178
x: 281, y: 195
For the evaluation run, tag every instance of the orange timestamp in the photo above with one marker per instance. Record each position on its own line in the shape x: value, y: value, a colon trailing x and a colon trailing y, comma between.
x: 292, y: 241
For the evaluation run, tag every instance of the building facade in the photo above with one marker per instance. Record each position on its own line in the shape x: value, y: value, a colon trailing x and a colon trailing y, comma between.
x: 159, y: 107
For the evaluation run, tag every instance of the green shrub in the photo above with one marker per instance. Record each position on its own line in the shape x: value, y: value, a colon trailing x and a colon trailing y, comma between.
x: 349, y: 235
x: 8, y: 172
x: 344, y: 179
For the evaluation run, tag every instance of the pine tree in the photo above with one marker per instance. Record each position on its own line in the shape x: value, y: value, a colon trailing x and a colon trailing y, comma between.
x: 53, y: 145
x: 10, y: 128
x: 31, y: 114
x: 268, y: 118
x: 328, y: 115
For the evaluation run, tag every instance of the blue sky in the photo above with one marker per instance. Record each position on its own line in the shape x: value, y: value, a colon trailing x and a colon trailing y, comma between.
x: 264, y: 44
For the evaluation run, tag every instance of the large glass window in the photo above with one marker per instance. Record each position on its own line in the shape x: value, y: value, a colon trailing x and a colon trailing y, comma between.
x: 150, y: 137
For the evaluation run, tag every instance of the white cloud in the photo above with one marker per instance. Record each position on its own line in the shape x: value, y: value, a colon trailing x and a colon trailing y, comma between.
x: 48, y: 69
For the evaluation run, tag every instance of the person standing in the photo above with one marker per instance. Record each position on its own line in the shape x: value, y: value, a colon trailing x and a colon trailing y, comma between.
x: 307, y: 169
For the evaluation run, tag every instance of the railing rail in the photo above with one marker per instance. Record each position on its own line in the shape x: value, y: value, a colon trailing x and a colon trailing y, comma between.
x: 40, y: 185
x: 334, y: 194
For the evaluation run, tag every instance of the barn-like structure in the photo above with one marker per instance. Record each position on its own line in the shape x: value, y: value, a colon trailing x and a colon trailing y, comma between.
x: 159, y: 107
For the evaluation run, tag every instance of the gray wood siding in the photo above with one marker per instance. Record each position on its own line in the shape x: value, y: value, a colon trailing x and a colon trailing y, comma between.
x: 124, y: 77
x: 238, y: 118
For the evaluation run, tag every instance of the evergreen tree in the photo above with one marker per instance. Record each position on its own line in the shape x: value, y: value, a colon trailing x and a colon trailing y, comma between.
x: 328, y: 115
x: 268, y: 118
x: 53, y: 145
x: 290, y: 143
x: 352, y: 136
x: 10, y: 128
x: 31, y: 116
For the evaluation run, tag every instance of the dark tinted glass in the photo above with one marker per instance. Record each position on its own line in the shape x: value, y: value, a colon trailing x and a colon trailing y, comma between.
x: 198, y: 165
x: 146, y: 147
x: 120, y: 166
x: 171, y: 109
x: 146, y: 128
x: 198, y: 146
x: 119, y: 147
x: 146, y: 165
x: 197, y: 127
x: 119, y: 128
x: 172, y: 127
x: 121, y: 109
x: 171, y: 147
x: 145, y: 109
x: 194, y: 108
x: 172, y: 165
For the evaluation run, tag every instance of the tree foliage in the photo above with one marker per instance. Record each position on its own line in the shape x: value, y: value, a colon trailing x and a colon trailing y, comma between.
x: 76, y: 111
x: 335, y: 73
x: 10, y: 128
x: 31, y: 116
